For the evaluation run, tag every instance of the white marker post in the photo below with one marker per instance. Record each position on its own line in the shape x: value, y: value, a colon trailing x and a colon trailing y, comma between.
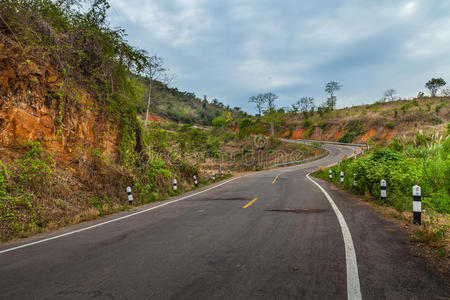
x: 229, y: 171
x: 130, y: 196
x: 221, y: 172
x: 330, y: 174
x: 175, y: 184
x: 355, y: 183
x: 342, y: 177
x: 214, y: 176
x: 383, y: 190
x: 195, y: 180
x: 417, y: 204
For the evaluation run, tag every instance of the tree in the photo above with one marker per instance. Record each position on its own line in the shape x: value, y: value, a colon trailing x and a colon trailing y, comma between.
x: 434, y: 84
x: 306, y: 104
x: 330, y: 88
x: 260, y: 102
x: 446, y: 92
x: 154, y: 69
x: 389, y: 95
x: 270, y: 100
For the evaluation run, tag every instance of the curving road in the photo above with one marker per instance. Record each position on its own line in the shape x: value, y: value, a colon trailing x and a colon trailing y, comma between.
x: 268, y: 235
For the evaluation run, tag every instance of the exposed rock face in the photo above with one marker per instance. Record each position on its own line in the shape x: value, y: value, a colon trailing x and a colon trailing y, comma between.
x: 34, y: 107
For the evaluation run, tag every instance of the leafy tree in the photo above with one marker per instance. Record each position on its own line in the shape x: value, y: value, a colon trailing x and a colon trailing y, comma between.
x: 434, y: 84
x: 330, y: 88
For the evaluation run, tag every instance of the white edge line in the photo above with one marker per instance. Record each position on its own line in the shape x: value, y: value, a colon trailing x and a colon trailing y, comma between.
x: 115, y: 220
x: 353, y: 287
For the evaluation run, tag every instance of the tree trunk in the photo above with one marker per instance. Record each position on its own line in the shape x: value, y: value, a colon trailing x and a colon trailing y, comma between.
x: 148, y: 101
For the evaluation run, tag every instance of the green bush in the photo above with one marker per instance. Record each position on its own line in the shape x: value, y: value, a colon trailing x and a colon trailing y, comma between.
x: 390, y: 125
x: 427, y: 164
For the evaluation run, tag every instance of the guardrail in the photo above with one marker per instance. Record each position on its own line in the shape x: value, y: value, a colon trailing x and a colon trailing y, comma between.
x: 301, y: 161
x: 309, y: 142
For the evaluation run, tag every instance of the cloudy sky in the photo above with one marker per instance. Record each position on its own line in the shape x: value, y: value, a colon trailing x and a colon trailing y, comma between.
x: 233, y: 49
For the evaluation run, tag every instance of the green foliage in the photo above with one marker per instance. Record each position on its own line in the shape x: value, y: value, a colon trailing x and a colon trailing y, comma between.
x: 434, y: 84
x: 307, y: 123
x: 426, y: 164
x: 354, y: 128
x: 405, y: 107
x: 390, y: 125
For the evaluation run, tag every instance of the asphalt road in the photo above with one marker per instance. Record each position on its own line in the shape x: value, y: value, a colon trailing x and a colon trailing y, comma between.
x: 289, y: 243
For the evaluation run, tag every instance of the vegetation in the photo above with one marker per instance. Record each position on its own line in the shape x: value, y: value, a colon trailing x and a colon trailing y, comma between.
x: 434, y: 84
x: 424, y: 161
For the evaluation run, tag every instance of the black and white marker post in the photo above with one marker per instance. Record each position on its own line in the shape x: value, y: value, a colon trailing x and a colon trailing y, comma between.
x: 130, y: 196
x: 330, y: 174
x: 417, y: 204
x: 214, y: 176
x: 342, y: 176
x: 229, y: 172
x: 175, y: 184
x: 195, y: 180
x: 383, y: 189
x: 354, y: 180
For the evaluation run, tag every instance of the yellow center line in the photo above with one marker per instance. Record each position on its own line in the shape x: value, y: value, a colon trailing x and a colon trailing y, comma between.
x: 275, y: 179
x: 250, y: 203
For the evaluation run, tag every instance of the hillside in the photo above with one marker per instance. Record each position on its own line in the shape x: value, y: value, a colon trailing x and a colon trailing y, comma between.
x: 375, y: 123
x: 182, y: 107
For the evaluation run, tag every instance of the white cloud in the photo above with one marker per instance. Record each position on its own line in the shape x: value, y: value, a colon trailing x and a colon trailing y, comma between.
x: 235, y: 48
x: 408, y: 9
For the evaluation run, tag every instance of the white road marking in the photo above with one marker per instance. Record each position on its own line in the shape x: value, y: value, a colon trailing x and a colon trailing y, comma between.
x: 353, y: 288
x: 114, y: 220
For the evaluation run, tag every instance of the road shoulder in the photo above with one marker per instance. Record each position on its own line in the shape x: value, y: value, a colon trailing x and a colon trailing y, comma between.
x: 387, y: 260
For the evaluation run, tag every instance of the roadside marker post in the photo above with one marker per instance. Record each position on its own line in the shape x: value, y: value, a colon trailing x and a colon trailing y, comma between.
x: 417, y: 204
x: 195, y: 180
x: 214, y: 176
x: 354, y: 180
x: 221, y: 172
x: 342, y: 177
x: 229, y: 171
x: 175, y: 184
x: 383, y: 189
x: 130, y: 195
x: 330, y: 174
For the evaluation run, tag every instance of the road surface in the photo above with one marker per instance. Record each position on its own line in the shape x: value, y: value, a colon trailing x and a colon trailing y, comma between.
x: 268, y: 235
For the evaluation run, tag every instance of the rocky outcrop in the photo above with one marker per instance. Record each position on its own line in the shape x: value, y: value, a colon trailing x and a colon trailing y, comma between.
x: 36, y: 104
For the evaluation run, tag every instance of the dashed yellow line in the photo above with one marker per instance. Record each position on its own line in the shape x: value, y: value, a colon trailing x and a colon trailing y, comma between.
x: 275, y: 179
x: 250, y: 203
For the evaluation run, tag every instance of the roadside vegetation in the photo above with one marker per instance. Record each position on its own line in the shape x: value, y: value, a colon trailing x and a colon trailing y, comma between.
x: 423, y: 161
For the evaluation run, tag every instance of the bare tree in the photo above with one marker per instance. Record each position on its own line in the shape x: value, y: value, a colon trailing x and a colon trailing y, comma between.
x: 389, y: 95
x: 446, y: 92
x: 260, y: 102
x: 154, y: 71
x: 306, y: 104
x: 270, y: 100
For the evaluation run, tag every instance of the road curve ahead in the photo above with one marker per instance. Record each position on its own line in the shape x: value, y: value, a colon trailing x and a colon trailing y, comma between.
x: 268, y: 235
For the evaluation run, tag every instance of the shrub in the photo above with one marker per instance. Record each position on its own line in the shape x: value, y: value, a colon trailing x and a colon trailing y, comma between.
x: 390, y: 125
x: 307, y: 123
x: 426, y: 164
